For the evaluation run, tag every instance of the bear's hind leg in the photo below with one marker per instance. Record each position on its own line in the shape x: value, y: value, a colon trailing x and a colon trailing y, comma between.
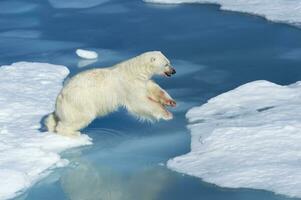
x: 67, y: 130
x: 72, y: 128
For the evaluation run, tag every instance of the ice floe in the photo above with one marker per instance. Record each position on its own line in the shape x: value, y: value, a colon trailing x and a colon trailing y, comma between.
x: 247, y: 138
x: 277, y: 10
x: 27, y: 93
x: 86, y: 54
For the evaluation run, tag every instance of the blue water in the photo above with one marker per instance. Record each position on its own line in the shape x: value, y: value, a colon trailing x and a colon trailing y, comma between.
x: 213, y: 52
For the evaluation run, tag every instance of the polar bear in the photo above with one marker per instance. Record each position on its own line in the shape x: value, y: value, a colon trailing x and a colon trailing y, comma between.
x: 97, y: 92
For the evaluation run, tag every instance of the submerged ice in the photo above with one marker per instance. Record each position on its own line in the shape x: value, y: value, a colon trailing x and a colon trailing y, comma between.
x: 76, y: 3
x: 28, y: 91
x: 277, y: 10
x: 248, y: 137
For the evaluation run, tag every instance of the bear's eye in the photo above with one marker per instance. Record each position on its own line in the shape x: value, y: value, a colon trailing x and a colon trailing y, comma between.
x: 166, y: 65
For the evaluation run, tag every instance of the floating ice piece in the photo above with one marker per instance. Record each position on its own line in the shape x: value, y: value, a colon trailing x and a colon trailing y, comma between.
x: 274, y: 10
x: 27, y: 93
x: 108, y: 57
x: 86, y: 54
x: 247, y: 138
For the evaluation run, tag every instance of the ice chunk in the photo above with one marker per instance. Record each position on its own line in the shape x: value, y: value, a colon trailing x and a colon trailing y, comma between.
x: 86, y: 54
x: 248, y: 137
x: 277, y: 10
x: 76, y: 3
x: 28, y: 92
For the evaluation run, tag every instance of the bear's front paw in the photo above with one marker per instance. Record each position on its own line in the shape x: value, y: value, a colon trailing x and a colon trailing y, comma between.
x: 170, y: 102
x: 167, y: 115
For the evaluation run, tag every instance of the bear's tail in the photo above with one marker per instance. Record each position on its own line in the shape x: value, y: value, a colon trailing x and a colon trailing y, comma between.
x: 51, y: 122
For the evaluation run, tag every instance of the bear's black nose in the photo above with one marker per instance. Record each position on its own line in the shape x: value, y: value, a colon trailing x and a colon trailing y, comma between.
x: 173, y: 71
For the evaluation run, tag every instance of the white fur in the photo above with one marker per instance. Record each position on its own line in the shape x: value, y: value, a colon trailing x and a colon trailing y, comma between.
x: 97, y: 92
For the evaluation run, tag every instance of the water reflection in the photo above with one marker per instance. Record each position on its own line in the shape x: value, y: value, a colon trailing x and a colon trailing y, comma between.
x: 91, y: 182
x: 83, y: 63
x: 127, y: 166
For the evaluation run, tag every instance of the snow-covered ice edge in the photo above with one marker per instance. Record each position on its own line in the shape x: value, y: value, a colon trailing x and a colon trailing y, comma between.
x: 27, y: 93
x: 274, y: 10
x: 247, y: 138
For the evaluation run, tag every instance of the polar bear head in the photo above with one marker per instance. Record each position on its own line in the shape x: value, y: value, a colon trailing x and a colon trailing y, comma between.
x: 158, y: 64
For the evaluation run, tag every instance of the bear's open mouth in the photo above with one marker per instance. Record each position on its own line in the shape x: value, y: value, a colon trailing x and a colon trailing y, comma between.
x: 167, y: 74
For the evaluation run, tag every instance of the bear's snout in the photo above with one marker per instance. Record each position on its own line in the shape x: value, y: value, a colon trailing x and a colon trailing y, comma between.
x: 170, y: 71
x: 173, y: 71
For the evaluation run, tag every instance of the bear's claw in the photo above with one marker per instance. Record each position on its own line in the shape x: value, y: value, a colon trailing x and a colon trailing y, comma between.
x: 171, y: 103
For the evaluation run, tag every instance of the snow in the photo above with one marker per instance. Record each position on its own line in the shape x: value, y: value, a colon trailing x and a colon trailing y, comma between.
x: 28, y: 92
x: 247, y: 138
x: 274, y: 10
x: 86, y: 54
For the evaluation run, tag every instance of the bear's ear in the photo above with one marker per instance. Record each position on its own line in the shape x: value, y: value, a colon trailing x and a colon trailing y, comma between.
x: 153, y: 59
